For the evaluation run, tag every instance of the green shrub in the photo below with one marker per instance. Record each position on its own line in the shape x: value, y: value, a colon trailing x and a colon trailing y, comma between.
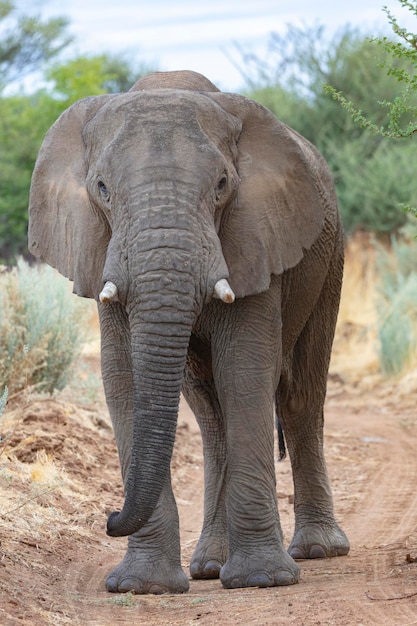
x: 371, y: 188
x: 374, y: 175
x: 397, y: 307
x: 41, y: 329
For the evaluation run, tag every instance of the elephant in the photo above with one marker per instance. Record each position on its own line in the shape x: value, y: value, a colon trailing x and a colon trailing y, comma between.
x: 209, y: 234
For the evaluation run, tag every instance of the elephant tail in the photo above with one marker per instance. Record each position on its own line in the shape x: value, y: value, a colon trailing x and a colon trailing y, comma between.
x: 282, y: 451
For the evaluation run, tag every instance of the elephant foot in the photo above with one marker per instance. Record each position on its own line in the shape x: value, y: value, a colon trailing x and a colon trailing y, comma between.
x: 314, y: 541
x: 274, y: 568
x: 141, y: 574
x: 208, y: 558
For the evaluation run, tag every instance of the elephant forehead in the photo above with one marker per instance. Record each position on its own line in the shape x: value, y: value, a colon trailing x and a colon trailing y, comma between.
x: 158, y: 105
x: 160, y: 111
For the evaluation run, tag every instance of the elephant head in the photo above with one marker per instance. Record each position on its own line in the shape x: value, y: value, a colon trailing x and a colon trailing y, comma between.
x: 161, y: 199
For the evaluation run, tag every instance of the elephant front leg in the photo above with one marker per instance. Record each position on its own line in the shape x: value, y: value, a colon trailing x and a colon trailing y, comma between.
x: 257, y: 557
x: 152, y: 563
x: 211, y: 551
x: 246, y: 363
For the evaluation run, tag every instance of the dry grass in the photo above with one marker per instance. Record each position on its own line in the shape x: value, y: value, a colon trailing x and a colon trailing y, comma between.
x: 355, y: 351
x: 39, y: 498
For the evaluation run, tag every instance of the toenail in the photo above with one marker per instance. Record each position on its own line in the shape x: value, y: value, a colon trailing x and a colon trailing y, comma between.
x: 317, y: 552
x: 259, y: 579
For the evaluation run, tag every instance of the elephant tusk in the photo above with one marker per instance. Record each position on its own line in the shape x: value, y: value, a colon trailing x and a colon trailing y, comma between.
x: 223, y: 291
x: 108, y: 293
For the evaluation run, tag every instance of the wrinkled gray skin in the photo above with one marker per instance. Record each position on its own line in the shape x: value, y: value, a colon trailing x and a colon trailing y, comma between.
x: 163, y: 191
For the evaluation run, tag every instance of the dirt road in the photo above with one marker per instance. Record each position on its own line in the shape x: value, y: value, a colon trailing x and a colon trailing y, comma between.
x: 55, y: 554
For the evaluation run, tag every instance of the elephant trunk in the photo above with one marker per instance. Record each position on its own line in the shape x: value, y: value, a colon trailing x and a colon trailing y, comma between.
x: 160, y: 326
x: 159, y: 349
x: 164, y: 298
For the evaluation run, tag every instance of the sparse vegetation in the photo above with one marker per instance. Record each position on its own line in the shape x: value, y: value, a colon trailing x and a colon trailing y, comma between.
x: 125, y: 600
x: 41, y: 330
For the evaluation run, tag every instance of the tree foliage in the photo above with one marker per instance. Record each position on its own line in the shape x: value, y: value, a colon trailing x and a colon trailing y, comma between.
x: 373, y: 174
x: 24, y: 120
x: 26, y: 42
x: 85, y: 76
x: 400, y: 111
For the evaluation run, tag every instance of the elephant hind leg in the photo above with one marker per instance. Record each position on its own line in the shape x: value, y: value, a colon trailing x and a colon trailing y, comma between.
x: 300, y: 400
x: 316, y: 534
x: 212, y: 549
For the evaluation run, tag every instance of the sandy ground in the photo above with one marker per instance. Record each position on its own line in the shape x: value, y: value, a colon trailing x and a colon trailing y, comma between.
x: 59, y: 477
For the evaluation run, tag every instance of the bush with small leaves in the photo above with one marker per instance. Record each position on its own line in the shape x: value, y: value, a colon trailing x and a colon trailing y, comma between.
x: 42, y: 329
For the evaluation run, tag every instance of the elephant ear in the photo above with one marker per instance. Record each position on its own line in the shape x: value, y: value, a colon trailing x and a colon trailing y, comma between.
x: 280, y: 207
x: 65, y: 230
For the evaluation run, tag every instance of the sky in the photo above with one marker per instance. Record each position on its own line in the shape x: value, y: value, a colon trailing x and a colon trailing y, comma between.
x: 206, y: 36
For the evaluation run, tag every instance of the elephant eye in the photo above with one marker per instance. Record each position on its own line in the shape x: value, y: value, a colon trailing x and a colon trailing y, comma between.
x: 222, y: 183
x: 104, y: 192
